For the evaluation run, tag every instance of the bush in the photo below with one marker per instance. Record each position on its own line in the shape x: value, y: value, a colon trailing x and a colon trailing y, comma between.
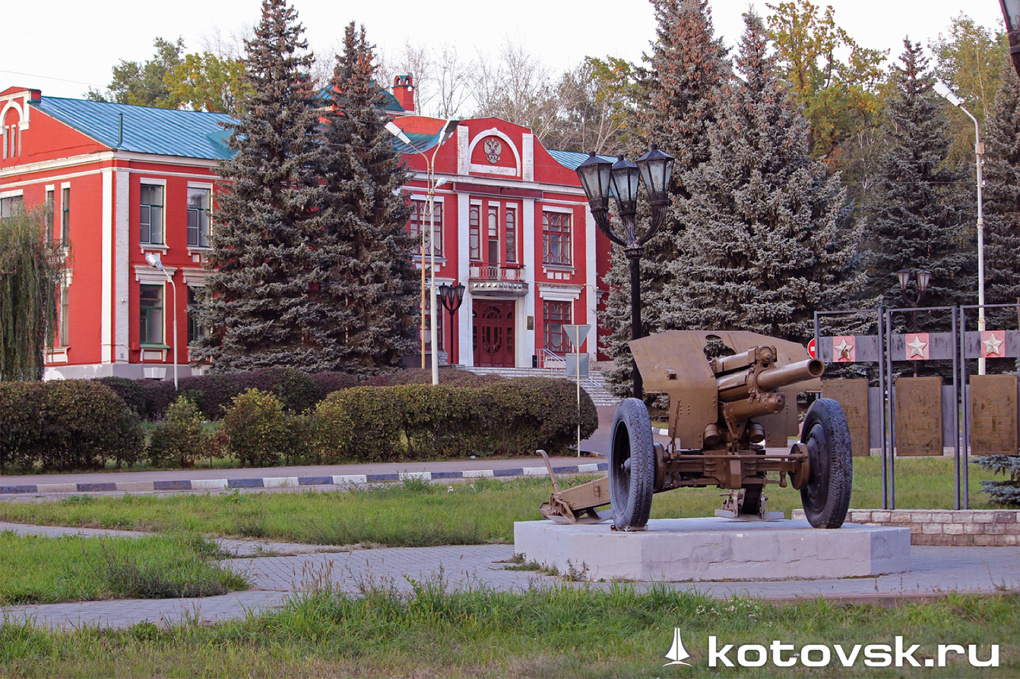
x: 513, y: 417
x: 133, y: 393
x: 259, y: 432
x: 63, y: 425
x: 1003, y: 493
x: 178, y: 438
x: 297, y: 391
x: 159, y: 394
x: 211, y: 393
x: 328, y: 382
x: 450, y: 377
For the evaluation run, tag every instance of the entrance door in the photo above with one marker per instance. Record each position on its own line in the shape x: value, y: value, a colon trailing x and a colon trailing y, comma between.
x: 494, y: 334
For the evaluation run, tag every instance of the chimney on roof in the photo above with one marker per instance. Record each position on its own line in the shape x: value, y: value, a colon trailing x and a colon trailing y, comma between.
x: 403, y: 90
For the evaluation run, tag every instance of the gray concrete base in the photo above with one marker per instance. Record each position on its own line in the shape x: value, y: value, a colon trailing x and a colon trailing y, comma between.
x: 677, y: 550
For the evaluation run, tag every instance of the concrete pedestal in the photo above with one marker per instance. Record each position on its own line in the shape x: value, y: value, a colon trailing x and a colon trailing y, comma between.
x: 676, y: 550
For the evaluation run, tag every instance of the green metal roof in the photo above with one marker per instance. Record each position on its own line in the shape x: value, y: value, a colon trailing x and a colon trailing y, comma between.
x: 572, y: 160
x: 159, y: 131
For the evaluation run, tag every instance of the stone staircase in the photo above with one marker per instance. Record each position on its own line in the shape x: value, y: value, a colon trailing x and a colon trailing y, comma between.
x: 594, y: 384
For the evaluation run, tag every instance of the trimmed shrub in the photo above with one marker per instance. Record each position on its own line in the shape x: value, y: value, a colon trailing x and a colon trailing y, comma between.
x: 511, y: 417
x: 259, y: 432
x: 211, y: 393
x: 328, y: 382
x: 133, y: 393
x: 297, y: 391
x: 159, y: 394
x: 450, y: 377
x: 177, y: 439
x: 62, y: 425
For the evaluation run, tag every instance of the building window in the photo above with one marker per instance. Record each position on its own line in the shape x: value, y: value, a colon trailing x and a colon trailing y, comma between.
x: 511, y: 235
x: 556, y: 238
x: 198, y: 218
x: 63, y: 331
x: 65, y: 216
x: 9, y: 206
x: 50, y: 217
x: 420, y: 219
x: 474, y: 231
x: 557, y: 316
x: 195, y: 329
x: 150, y: 317
x: 493, y: 235
x: 151, y: 214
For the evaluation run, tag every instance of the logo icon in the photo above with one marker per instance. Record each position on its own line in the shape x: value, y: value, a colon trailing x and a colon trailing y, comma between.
x: 677, y: 653
x: 493, y: 149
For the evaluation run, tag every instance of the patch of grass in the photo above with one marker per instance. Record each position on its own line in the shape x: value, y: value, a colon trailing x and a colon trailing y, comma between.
x: 39, y: 569
x: 564, y: 632
x: 416, y: 513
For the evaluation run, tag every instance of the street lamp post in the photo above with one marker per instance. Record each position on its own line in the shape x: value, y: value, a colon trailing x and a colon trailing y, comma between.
x: 601, y: 178
x: 923, y: 279
x: 155, y: 263
x: 430, y: 180
x: 452, y: 299
x: 1011, y: 15
x: 979, y: 151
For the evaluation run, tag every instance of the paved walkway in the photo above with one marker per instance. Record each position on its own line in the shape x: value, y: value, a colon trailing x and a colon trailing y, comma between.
x: 283, y: 570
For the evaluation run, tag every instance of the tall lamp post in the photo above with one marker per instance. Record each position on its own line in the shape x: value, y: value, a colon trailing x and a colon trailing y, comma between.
x: 452, y: 297
x: 979, y: 151
x: 601, y: 178
x: 923, y: 279
x: 430, y: 180
x: 154, y: 262
x: 1011, y: 15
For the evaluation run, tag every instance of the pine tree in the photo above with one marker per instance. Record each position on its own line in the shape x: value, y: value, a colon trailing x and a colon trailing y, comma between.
x: 258, y: 300
x: 367, y: 297
x: 767, y: 239
x: 1002, y: 200
x: 677, y: 103
x: 917, y: 215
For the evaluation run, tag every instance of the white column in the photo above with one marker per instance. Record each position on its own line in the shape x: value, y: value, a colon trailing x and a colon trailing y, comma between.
x: 121, y: 282
x: 591, y: 281
x: 465, y: 323
x: 528, y: 157
x: 107, y: 264
x: 532, y: 260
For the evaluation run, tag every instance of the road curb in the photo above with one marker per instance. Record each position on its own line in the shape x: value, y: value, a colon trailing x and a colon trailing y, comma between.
x: 293, y: 481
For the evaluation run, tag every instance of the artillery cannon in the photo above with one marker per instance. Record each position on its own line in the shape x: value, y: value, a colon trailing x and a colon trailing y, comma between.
x: 729, y: 393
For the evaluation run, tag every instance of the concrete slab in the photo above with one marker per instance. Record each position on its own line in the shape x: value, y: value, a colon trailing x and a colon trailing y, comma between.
x: 678, y: 550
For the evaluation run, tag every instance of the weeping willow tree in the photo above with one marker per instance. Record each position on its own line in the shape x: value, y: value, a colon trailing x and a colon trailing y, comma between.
x: 30, y: 272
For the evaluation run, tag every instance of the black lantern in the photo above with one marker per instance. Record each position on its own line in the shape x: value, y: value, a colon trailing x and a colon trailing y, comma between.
x: 1011, y: 15
x: 625, y: 177
x: 451, y: 298
x: 656, y: 171
x: 923, y: 279
x: 594, y: 176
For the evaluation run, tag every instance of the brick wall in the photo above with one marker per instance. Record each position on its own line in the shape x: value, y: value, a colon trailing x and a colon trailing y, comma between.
x: 961, y: 528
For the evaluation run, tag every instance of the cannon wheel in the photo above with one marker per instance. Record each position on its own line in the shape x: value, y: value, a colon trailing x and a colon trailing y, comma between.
x: 826, y: 497
x: 631, y: 466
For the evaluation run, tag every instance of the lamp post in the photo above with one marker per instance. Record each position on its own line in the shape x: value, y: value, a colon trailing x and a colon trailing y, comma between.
x: 1011, y: 15
x: 923, y: 278
x: 430, y: 180
x: 600, y: 178
x: 979, y: 151
x: 154, y: 262
x: 452, y: 299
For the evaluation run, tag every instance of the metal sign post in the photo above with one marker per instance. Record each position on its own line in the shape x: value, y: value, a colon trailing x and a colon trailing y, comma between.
x: 576, y: 334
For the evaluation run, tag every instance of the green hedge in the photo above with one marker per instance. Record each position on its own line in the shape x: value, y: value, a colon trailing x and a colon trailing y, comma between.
x: 62, y: 425
x: 511, y: 417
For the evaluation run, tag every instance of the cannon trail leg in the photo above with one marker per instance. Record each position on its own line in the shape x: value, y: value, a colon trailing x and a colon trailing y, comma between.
x: 826, y: 497
x: 631, y: 466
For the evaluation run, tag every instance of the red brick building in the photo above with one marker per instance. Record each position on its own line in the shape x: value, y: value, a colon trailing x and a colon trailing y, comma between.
x: 125, y: 181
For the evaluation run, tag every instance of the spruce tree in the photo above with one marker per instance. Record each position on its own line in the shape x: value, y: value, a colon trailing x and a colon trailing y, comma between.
x: 918, y: 212
x: 367, y: 296
x: 257, y: 301
x: 1002, y: 200
x: 677, y: 103
x: 767, y: 240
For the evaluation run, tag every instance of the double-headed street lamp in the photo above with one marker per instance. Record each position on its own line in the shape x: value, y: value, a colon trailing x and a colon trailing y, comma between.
x: 154, y: 262
x: 430, y: 180
x: 979, y: 151
x: 601, y: 178
x: 923, y: 279
x: 452, y: 297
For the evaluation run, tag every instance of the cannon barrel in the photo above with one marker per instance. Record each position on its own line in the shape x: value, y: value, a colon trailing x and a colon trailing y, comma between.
x: 739, y: 385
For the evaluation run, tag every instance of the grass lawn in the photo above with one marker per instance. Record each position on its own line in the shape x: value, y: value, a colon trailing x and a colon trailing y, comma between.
x: 40, y: 569
x: 416, y: 513
x: 563, y: 632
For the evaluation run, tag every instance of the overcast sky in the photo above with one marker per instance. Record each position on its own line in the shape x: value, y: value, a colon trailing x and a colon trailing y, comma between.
x: 65, y: 46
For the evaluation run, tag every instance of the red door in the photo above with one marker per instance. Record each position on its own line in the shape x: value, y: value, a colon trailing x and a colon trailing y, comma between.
x: 494, y: 334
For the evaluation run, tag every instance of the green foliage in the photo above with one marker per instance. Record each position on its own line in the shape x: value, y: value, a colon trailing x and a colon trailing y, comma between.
x: 64, y: 425
x: 132, y: 392
x: 1004, y: 493
x: 596, y: 107
x: 144, y: 84
x: 514, y: 417
x: 178, y: 437
x: 260, y: 432
x: 30, y: 275
x: 207, y: 82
